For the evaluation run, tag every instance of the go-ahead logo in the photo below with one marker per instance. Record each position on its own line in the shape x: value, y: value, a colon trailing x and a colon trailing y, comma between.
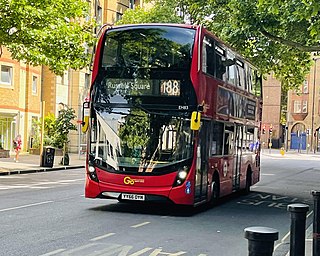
x: 129, y: 181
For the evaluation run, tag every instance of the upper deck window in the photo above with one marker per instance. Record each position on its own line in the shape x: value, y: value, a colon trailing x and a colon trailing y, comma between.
x: 241, y: 75
x: 208, y: 65
x: 148, y: 47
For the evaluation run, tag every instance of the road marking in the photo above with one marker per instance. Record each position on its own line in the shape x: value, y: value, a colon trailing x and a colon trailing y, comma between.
x: 80, y: 248
x: 53, y: 252
x: 108, y: 249
x: 12, y: 177
x: 102, y: 237
x: 141, y: 224
x: 267, y: 174
x: 25, y: 206
x: 40, y: 185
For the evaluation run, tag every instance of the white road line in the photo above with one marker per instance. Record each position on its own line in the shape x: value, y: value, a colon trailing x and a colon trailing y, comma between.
x: 141, y: 224
x: 78, y: 249
x: 309, y: 214
x: 12, y: 177
x: 53, y: 252
x: 39, y: 185
x: 267, y: 174
x: 25, y: 206
x: 102, y: 237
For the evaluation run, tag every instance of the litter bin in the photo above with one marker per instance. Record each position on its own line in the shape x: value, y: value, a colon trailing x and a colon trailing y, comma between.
x: 47, y: 157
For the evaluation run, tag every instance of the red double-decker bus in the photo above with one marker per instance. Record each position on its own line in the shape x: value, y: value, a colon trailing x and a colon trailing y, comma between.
x: 174, y: 116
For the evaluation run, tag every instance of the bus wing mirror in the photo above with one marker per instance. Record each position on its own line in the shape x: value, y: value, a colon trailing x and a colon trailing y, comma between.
x: 195, y: 121
x: 85, y: 116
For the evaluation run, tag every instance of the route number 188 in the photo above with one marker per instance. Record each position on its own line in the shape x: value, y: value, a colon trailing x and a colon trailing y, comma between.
x: 170, y: 87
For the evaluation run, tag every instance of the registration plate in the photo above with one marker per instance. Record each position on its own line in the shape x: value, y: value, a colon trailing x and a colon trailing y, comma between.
x: 133, y: 197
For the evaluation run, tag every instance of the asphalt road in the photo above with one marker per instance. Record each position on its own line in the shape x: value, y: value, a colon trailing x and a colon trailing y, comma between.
x: 47, y: 214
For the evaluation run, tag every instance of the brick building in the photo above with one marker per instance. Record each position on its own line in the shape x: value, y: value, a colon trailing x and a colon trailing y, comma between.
x: 301, y: 131
x: 272, y: 129
x: 303, y: 119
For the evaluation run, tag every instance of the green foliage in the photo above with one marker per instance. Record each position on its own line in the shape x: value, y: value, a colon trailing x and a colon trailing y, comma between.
x: 158, y: 13
x: 56, y: 130
x: 36, y: 127
x: 63, y: 126
x: 49, y: 129
x: 47, y: 32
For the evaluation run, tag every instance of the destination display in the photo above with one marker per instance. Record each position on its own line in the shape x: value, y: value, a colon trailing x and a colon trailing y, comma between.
x: 143, y: 87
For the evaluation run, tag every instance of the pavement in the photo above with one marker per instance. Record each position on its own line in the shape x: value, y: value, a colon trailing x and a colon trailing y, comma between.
x: 29, y: 163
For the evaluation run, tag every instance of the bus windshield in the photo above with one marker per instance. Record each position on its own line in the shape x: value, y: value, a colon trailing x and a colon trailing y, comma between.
x: 133, y: 140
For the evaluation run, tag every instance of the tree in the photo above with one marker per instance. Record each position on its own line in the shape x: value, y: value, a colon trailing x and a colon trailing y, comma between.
x: 275, y: 35
x: 54, y: 33
x: 63, y: 126
x: 49, y: 129
x: 156, y: 14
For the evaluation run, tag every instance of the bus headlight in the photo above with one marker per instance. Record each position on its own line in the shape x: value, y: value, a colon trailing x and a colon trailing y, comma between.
x: 92, y: 173
x: 181, y: 176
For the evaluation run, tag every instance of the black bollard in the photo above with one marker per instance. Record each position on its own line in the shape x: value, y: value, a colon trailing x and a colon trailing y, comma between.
x: 316, y: 224
x: 261, y: 240
x: 298, y: 228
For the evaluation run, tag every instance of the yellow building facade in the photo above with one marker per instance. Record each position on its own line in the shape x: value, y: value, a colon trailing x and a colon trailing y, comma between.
x: 20, y: 97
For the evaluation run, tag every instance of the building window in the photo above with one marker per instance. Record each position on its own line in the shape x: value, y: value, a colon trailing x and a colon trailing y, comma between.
x: 6, y: 75
x: 118, y: 16
x: 304, y: 106
x: 86, y: 81
x: 99, y: 15
x: 131, y: 4
x: 297, y: 106
x: 305, y: 86
x: 34, y: 85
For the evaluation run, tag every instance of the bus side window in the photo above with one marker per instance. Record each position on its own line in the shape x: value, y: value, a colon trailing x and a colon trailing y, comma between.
x: 228, y: 147
x: 249, y: 78
x: 241, y: 75
x: 257, y: 83
x: 231, y: 69
x: 220, y: 69
x: 208, y: 56
x: 226, y: 144
x: 217, y: 139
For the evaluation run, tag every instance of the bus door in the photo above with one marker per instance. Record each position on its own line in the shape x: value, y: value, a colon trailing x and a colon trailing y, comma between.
x: 201, y: 183
x: 237, y: 157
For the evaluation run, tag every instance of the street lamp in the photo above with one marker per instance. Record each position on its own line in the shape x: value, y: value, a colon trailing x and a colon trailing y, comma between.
x: 313, y: 146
